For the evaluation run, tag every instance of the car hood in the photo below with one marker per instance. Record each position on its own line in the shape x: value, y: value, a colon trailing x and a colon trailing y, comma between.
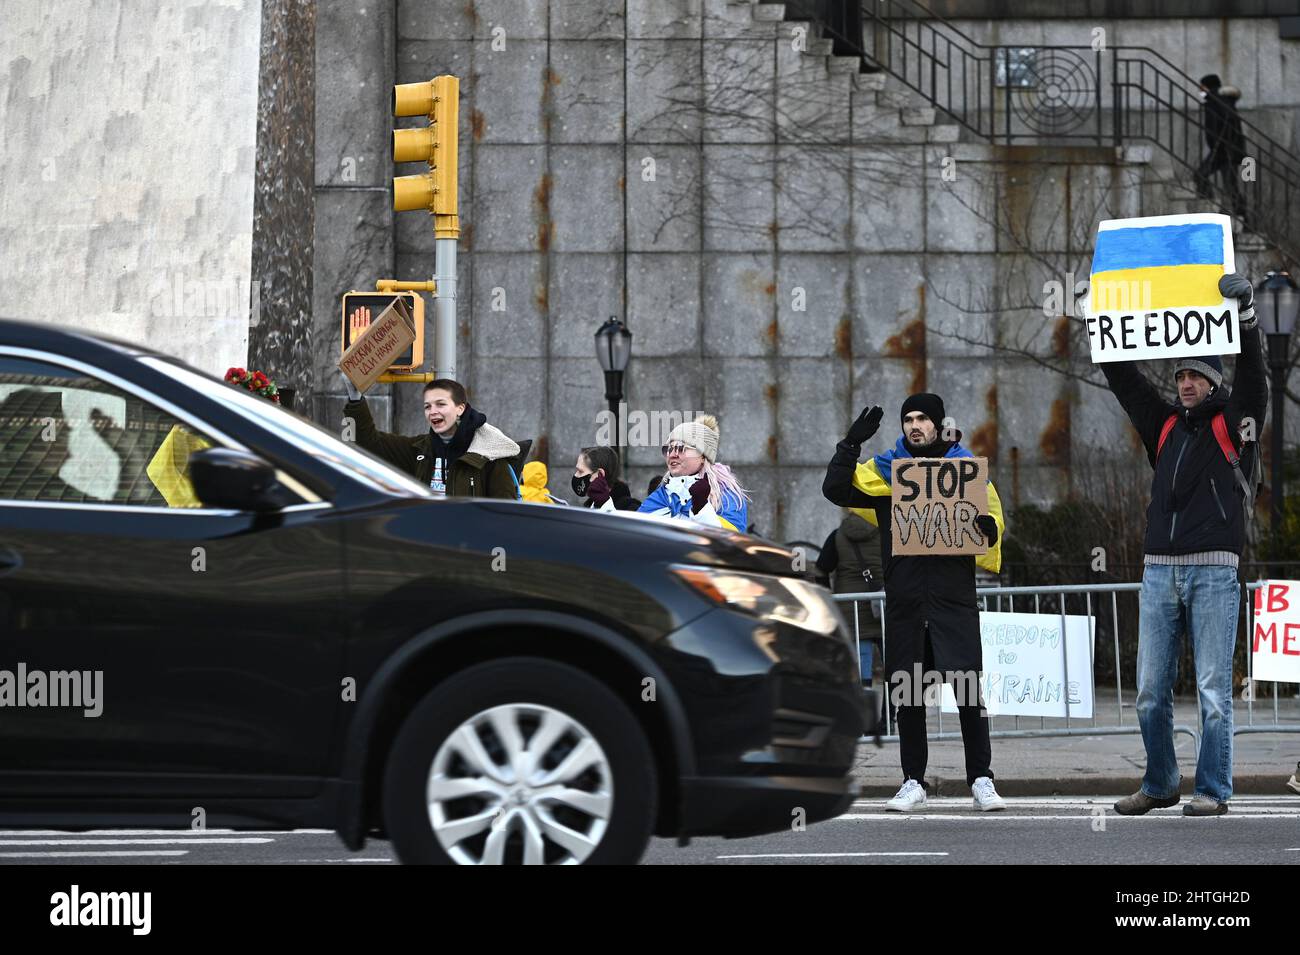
x: 674, y: 540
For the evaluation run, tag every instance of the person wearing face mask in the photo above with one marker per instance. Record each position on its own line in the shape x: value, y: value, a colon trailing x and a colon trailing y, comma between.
x: 932, y: 621
x: 695, y: 487
x: 596, y: 481
x: 1196, y: 529
x: 461, y: 455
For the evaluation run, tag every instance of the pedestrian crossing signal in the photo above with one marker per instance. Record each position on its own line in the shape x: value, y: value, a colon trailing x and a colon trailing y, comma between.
x: 361, y: 308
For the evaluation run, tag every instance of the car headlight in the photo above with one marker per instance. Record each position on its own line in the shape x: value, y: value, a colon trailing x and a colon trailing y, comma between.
x: 784, y: 599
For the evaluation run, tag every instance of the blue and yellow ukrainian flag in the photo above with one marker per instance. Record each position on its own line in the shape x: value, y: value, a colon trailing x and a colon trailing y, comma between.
x: 1157, y: 266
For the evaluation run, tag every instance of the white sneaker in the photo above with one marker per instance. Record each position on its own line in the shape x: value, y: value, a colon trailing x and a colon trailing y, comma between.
x: 909, y: 799
x: 986, y: 797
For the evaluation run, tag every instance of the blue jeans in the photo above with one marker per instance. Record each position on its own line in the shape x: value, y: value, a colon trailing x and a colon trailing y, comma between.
x: 1201, y: 601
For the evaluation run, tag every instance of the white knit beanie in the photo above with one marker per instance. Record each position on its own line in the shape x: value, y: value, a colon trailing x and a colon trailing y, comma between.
x: 700, y: 434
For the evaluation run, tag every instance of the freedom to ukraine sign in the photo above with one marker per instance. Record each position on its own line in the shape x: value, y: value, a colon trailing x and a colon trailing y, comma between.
x: 1155, y: 288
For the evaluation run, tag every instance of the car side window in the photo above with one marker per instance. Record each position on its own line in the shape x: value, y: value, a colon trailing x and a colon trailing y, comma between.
x: 67, y: 436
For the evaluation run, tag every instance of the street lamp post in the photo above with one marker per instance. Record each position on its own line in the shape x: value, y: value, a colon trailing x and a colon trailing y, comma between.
x: 613, y: 349
x: 1277, y: 301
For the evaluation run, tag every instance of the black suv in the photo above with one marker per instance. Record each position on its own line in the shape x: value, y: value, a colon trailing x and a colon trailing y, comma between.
x: 208, y: 603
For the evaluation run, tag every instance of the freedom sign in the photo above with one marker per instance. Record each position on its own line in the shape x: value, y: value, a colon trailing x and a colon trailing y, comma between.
x: 1275, y: 637
x: 1155, y: 289
x: 1024, y: 665
x: 934, y: 503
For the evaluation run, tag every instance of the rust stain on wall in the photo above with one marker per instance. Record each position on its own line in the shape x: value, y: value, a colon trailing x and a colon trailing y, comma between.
x: 1061, y: 337
x: 771, y: 332
x: 541, y: 450
x: 770, y: 392
x: 1055, y: 439
x: 771, y: 454
x: 477, y: 124
x: 984, y: 440
x: 542, y: 205
x: 909, y: 344
x: 844, y: 338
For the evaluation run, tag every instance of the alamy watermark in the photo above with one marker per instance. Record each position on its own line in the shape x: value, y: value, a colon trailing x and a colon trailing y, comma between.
x: 78, y: 689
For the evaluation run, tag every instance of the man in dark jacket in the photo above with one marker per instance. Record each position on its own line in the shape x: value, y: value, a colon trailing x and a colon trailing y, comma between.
x: 850, y: 556
x: 931, y: 617
x: 1196, y: 527
x: 461, y: 455
x: 1224, y: 141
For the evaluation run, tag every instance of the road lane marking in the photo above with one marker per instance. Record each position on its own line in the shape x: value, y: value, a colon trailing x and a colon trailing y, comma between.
x: 95, y: 855
x: 825, y: 855
x: 999, y: 816
x: 130, y: 842
x: 178, y: 831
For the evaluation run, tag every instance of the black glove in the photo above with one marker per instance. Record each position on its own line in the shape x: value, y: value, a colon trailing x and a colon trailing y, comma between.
x: 989, y: 526
x: 1235, y: 285
x: 699, y: 495
x: 868, y: 424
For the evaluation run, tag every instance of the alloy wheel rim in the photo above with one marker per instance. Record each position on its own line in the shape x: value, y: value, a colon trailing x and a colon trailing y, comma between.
x: 520, y: 783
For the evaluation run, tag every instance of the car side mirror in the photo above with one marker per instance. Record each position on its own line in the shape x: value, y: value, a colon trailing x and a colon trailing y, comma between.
x: 237, y: 480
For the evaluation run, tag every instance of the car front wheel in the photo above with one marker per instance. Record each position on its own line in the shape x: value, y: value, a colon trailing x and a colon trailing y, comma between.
x: 521, y: 760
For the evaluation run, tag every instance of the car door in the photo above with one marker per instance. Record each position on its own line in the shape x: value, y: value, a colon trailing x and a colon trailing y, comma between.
x: 182, y: 650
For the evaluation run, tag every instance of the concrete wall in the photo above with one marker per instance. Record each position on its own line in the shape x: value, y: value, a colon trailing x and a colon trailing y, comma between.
x: 796, y: 253
x: 126, y: 180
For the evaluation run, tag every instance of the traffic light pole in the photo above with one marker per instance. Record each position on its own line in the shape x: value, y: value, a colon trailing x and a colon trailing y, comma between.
x: 444, y: 329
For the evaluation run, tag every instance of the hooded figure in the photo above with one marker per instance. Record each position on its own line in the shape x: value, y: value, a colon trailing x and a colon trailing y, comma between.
x: 533, y: 486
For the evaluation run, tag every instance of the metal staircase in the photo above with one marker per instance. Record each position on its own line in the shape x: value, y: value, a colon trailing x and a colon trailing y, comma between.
x: 1094, y: 94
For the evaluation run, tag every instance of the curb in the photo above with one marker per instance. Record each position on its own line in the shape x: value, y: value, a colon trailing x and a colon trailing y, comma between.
x: 1249, y: 785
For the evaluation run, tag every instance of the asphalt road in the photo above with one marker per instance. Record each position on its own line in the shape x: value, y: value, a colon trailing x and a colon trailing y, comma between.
x: 1064, y: 830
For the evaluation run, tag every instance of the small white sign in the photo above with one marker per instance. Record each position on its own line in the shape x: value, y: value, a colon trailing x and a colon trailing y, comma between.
x: 1025, y: 666
x: 1275, y: 640
x: 1154, y: 290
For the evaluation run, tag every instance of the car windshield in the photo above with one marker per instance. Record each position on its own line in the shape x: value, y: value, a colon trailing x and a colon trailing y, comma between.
x: 293, y: 428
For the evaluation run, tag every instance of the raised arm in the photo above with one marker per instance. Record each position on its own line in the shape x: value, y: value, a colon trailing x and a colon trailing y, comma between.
x: 838, y: 486
x: 1249, y: 397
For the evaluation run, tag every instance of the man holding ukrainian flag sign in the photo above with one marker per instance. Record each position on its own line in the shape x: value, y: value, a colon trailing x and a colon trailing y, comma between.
x: 1165, y: 287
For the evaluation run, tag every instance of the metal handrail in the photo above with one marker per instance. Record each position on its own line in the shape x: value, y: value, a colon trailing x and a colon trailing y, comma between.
x: 1139, y: 88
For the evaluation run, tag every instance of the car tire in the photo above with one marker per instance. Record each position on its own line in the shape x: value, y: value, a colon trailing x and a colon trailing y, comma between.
x: 457, y: 766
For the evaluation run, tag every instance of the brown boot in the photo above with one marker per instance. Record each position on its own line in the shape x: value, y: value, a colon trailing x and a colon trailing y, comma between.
x: 1205, y: 806
x: 1139, y: 804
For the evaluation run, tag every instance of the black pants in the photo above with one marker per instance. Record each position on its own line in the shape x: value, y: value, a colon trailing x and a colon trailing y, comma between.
x: 913, y: 746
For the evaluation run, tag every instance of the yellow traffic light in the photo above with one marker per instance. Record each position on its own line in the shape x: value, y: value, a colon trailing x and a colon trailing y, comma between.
x: 437, y: 145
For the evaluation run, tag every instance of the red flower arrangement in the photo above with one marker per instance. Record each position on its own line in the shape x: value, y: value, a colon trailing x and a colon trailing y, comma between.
x: 254, y: 381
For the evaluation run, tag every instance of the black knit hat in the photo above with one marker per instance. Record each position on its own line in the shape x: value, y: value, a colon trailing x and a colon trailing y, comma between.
x: 929, y: 405
x: 1211, y: 366
x: 1211, y: 81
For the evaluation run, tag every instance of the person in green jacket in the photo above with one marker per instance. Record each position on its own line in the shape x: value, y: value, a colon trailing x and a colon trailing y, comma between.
x: 460, y: 456
x: 850, y: 558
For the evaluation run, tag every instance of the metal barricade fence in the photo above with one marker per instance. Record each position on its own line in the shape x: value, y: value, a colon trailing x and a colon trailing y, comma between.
x: 985, y: 596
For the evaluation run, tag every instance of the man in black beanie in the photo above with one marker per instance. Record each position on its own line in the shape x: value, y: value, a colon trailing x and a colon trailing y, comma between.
x: 1196, y: 528
x: 932, y: 621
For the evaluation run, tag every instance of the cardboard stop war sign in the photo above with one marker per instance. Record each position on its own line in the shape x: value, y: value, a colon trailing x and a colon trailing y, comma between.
x: 1275, y: 641
x: 934, y: 503
x: 1155, y: 288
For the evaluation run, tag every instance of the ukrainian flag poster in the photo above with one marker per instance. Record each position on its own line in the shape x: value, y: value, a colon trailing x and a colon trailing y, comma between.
x: 1155, y: 288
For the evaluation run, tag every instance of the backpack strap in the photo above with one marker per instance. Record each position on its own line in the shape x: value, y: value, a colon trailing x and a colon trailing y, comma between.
x: 1220, y: 427
x: 1164, y: 432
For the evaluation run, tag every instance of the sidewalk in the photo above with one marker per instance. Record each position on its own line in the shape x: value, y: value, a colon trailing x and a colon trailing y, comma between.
x: 1094, y: 765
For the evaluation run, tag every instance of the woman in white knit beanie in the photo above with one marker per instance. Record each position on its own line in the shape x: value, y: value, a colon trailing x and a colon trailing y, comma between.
x: 695, y: 487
